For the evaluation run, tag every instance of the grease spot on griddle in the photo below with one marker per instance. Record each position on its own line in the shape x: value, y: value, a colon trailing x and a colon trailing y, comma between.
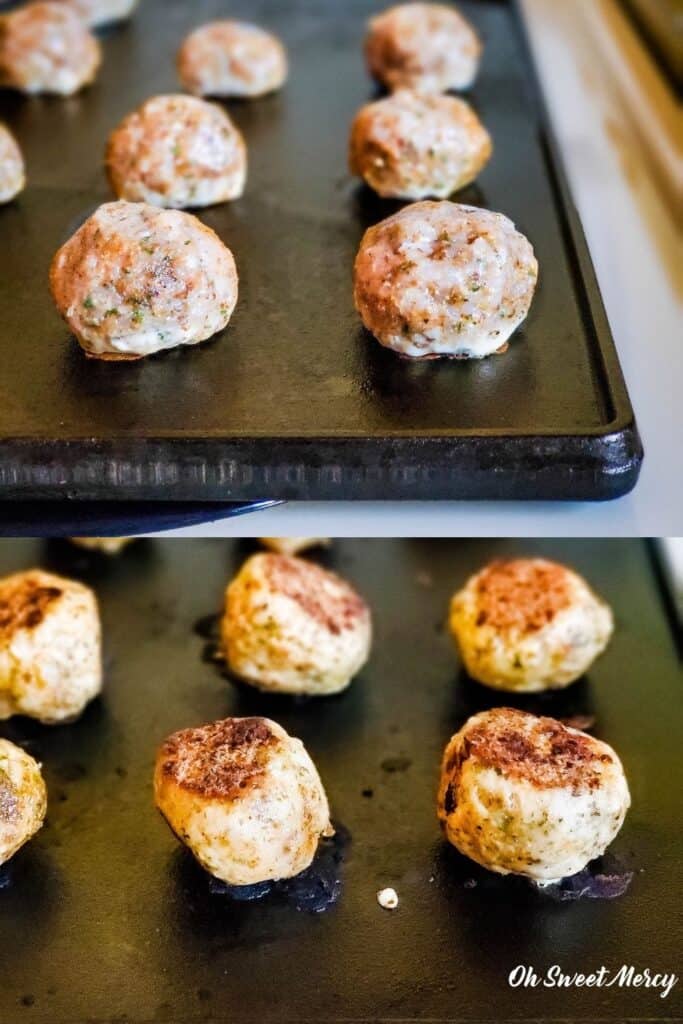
x: 314, y: 891
x: 604, y: 878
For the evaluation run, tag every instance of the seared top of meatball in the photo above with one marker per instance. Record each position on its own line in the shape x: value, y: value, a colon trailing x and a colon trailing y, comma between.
x: 541, y: 751
x: 524, y: 594
x: 24, y: 600
x: 321, y: 594
x: 222, y: 760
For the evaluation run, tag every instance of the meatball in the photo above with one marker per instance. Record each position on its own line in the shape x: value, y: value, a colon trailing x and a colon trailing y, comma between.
x: 102, y: 12
x: 50, y: 657
x: 46, y: 47
x: 293, y: 545
x: 410, y: 145
x: 232, y: 58
x: 23, y: 799
x: 12, y: 173
x: 135, y: 280
x: 245, y: 798
x: 292, y: 627
x: 530, y: 796
x: 105, y: 545
x: 528, y: 624
x: 442, y: 279
x: 429, y: 47
x: 177, y: 151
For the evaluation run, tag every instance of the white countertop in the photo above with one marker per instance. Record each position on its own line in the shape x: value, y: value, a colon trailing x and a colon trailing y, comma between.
x: 637, y: 256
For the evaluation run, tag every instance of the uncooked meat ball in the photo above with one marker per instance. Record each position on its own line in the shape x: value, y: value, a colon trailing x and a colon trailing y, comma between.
x: 12, y: 173
x: 23, y: 799
x: 292, y: 627
x: 528, y: 624
x: 135, y: 280
x: 46, y: 47
x: 530, y: 796
x: 244, y: 797
x: 443, y: 279
x: 410, y: 145
x: 232, y: 58
x: 429, y: 47
x: 50, y: 657
x: 177, y: 151
x: 102, y: 12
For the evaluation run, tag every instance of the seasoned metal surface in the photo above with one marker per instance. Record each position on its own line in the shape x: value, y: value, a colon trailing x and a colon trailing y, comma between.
x: 106, y: 918
x: 294, y: 399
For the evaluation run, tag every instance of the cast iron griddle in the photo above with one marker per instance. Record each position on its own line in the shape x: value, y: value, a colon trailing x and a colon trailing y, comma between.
x: 295, y: 400
x: 107, y: 919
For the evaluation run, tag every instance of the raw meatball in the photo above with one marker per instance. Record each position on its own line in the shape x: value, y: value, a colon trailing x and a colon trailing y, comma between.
x: 105, y: 545
x: 50, y: 657
x: 12, y: 173
x: 528, y: 625
x: 244, y: 797
x: 135, y: 280
x: 530, y: 796
x: 232, y: 58
x: 102, y: 12
x: 429, y: 47
x: 410, y: 145
x: 177, y: 151
x: 442, y: 279
x: 23, y: 799
x: 293, y: 545
x: 46, y: 47
x: 293, y: 627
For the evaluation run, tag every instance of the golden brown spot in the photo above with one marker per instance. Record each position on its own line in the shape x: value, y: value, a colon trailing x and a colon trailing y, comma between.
x: 24, y: 602
x: 540, y: 750
x: 220, y: 760
x: 523, y: 594
x: 323, y: 595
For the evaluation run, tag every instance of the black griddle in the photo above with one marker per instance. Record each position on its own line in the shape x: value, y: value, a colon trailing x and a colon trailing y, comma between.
x: 107, y: 919
x: 295, y: 399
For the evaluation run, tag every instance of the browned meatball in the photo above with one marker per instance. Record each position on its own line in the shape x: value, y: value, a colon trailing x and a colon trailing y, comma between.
x: 177, y: 151
x: 46, y: 47
x: 424, y: 46
x: 135, y: 280
x: 412, y: 145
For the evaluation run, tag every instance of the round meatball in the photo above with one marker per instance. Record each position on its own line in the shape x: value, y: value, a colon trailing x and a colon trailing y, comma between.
x: 177, y: 151
x: 292, y: 627
x: 102, y: 12
x: 293, y: 545
x: 23, y: 799
x: 530, y: 796
x: 244, y: 797
x: 104, y: 545
x: 442, y: 279
x: 50, y: 656
x: 411, y: 145
x: 429, y: 47
x: 232, y: 58
x: 135, y: 280
x: 528, y: 625
x: 12, y: 173
x: 46, y: 47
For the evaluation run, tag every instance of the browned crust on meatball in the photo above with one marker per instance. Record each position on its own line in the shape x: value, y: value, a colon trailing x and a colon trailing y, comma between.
x: 303, y: 582
x: 219, y: 761
x: 24, y: 603
x: 541, y: 751
x: 521, y: 594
